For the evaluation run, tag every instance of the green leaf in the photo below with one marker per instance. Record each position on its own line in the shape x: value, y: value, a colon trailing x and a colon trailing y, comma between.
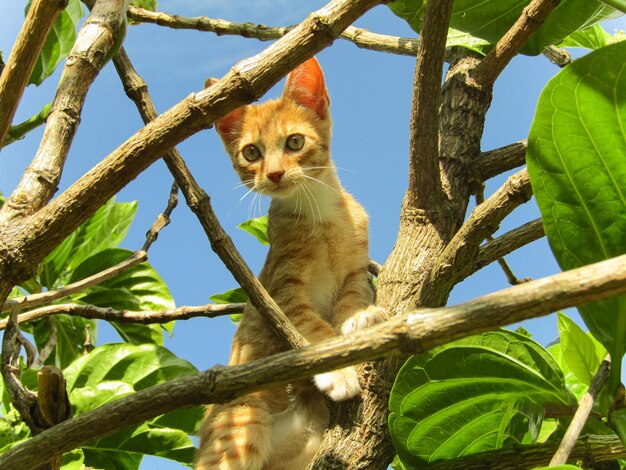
x: 233, y: 296
x: 591, y: 38
x: 105, y: 229
x: 146, y: 4
x: 114, y: 370
x: 59, y: 42
x: 473, y: 395
x: 138, y: 288
x: 579, y: 350
x: 576, y: 163
x: 73, y: 460
x: 485, y: 22
x: 257, y: 228
x: 617, y: 4
x: 573, y: 384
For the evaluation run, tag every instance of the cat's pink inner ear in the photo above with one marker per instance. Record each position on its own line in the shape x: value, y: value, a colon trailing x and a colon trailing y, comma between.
x: 228, y: 127
x: 305, y: 85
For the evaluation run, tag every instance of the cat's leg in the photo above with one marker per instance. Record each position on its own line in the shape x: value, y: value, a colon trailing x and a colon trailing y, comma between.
x: 236, y: 436
x: 340, y: 384
x: 355, y: 307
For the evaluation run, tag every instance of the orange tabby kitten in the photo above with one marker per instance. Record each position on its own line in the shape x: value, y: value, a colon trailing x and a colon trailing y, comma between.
x: 316, y: 270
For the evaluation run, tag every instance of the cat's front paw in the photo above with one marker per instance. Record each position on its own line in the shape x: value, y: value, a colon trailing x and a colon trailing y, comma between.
x: 372, y: 315
x: 339, y: 384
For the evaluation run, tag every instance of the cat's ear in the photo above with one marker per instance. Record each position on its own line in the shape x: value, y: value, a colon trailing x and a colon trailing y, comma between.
x: 227, y: 127
x: 305, y: 85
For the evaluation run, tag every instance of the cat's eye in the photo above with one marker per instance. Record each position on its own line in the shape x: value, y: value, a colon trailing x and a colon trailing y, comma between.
x: 251, y: 153
x: 295, y: 142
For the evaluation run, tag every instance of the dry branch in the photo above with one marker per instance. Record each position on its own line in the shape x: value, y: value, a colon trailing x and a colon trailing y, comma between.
x: 33, y: 300
x: 162, y: 220
x: 360, y: 37
x: 200, y: 203
x: 588, y: 449
x: 497, y: 161
x: 502, y: 246
x: 21, y: 62
x: 414, y: 332
x: 128, y: 316
x: 482, y: 222
x: 562, y: 455
x: 531, y: 19
x: 96, y: 38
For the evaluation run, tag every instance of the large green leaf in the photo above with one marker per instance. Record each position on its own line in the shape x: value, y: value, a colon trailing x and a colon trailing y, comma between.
x: 576, y: 163
x: 473, y: 395
x: 114, y: 370
x: 581, y: 353
x: 59, y: 42
x: 138, y: 288
x: 105, y: 229
x: 486, y: 21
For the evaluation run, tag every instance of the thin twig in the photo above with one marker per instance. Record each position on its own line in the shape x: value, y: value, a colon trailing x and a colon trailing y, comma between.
x: 531, y: 19
x: 128, y: 316
x: 362, y: 38
x: 162, y: 219
x: 508, y: 272
x: 481, y: 223
x: 413, y: 332
x: 18, y: 131
x: 39, y: 20
x: 200, y: 204
x: 561, y: 456
x: 46, y: 350
x: 33, y: 300
x: 497, y: 161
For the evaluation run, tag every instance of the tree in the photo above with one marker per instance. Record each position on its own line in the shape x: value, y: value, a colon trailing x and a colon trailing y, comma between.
x: 68, y: 240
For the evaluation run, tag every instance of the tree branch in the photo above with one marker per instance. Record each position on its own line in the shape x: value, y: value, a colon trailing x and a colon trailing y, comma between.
x: 33, y: 300
x: 425, y: 189
x: 415, y: 332
x: 502, y: 246
x: 482, y: 222
x: 562, y: 455
x: 360, y: 37
x: 128, y: 316
x: 590, y: 448
x: 531, y: 19
x: 200, y: 203
x: 19, y: 66
x: 163, y: 219
x: 96, y: 38
x: 497, y: 161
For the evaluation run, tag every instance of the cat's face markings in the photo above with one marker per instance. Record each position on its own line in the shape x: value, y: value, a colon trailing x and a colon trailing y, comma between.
x: 281, y: 146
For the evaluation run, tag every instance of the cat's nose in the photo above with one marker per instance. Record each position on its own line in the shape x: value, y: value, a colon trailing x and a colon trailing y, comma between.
x: 275, y: 176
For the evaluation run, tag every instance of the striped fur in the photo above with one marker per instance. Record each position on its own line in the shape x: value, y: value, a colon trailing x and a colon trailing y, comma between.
x: 316, y: 270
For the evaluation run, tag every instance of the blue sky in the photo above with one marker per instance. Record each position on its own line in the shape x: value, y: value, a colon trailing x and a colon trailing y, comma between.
x: 370, y: 96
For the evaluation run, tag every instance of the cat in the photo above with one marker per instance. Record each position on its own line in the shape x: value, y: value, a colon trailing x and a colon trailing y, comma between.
x: 316, y: 270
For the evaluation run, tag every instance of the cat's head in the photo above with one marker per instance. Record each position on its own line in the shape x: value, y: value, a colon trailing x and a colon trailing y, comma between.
x: 278, y: 145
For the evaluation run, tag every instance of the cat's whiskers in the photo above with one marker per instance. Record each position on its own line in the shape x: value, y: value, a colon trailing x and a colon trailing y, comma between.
x: 321, y: 182
x: 244, y: 183
x: 308, y: 192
